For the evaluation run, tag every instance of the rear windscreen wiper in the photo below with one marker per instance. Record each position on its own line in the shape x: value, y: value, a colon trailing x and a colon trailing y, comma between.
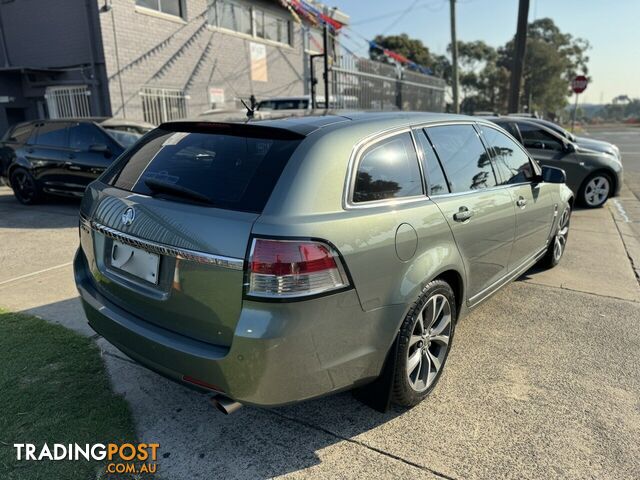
x: 158, y: 186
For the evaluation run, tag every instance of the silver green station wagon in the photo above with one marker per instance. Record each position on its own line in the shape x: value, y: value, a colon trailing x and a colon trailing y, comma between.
x: 276, y: 261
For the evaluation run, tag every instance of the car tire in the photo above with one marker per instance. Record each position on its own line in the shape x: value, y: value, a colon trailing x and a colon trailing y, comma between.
x: 25, y: 187
x: 558, y: 244
x: 424, y: 342
x: 595, y: 190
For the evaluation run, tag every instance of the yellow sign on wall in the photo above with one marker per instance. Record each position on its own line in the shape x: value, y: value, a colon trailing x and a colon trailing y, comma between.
x: 258, y: 53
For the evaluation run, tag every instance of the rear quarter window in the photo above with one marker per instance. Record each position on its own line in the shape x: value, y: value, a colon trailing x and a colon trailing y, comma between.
x: 388, y: 169
x: 233, y: 172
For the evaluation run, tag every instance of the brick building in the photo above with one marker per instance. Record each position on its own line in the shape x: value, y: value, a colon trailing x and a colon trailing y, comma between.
x: 151, y: 60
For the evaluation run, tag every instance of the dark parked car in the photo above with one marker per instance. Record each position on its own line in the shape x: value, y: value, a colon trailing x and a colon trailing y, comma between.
x: 593, y: 175
x: 584, y: 142
x: 59, y: 157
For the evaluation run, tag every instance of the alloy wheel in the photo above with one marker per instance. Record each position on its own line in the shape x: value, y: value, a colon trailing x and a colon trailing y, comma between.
x: 597, y: 191
x: 560, y: 240
x: 23, y: 185
x: 429, y: 343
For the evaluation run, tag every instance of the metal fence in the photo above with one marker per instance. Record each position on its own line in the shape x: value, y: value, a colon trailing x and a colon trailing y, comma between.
x: 68, y: 102
x: 360, y: 83
x: 163, y: 104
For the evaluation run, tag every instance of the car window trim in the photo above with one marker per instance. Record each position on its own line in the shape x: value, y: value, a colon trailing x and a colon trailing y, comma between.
x: 422, y: 159
x: 354, y: 163
x: 520, y: 145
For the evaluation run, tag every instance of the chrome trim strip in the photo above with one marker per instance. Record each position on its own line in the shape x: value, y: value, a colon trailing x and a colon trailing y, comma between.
x: 495, y: 286
x: 161, y: 249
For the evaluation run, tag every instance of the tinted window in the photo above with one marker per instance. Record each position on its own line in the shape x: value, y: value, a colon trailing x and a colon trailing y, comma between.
x: 225, y: 171
x: 510, y: 160
x: 436, y: 181
x: 465, y: 161
x: 20, y: 133
x: 83, y: 135
x: 535, y: 137
x: 52, y: 134
x: 510, y: 127
x: 388, y: 169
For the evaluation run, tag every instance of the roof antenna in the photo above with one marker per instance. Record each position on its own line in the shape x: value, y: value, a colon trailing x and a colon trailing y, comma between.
x: 250, y: 109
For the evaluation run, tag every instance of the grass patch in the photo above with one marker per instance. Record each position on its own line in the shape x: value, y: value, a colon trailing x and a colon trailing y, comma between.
x: 54, y: 389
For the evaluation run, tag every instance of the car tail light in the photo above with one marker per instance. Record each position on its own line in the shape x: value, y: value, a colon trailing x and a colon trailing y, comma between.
x: 293, y: 268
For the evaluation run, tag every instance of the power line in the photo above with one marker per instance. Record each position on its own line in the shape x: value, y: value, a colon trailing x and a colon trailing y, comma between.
x: 434, y: 6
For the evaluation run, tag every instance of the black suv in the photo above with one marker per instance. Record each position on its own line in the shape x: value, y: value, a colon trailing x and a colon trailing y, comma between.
x: 59, y: 157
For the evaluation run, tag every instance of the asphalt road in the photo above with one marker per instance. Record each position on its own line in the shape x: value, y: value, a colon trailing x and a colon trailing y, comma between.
x: 628, y: 140
x: 543, y: 380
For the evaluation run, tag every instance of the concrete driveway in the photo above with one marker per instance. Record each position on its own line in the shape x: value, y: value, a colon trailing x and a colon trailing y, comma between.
x: 543, y: 381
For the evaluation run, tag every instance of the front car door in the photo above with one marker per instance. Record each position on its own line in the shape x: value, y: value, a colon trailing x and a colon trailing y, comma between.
x: 550, y: 149
x: 481, y: 216
x: 533, y: 200
x: 92, y: 151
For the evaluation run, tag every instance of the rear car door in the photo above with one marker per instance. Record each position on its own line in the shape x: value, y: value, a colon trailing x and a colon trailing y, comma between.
x: 47, y: 151
x: 91, y: 152
x: 481, y: 216
x: 534, y: 204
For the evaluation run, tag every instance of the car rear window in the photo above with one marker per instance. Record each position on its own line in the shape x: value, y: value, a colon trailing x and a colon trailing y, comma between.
x: 235, y: 171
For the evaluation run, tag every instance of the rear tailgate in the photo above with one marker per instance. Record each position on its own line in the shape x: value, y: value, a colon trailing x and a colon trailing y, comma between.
x: 172, y: 258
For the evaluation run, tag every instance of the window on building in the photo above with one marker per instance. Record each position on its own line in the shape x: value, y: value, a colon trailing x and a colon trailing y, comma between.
x: 163, y: 104
x: 271, y: 27
x: 170, y: 7
x: 465, y: 161
x: 510, y: 159
x: 68, y: 102
x: 249, y: 20
x: 388, y: 169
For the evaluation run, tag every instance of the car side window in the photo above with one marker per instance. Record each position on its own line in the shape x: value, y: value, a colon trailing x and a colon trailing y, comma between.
x: 52, y: 135
x: 83, y: 135
x: 510, y: 159
x: 538, y: 138
x: 388, y: 169
x: 466, y: 163
x: 20, y: 133
x: 436, y: 181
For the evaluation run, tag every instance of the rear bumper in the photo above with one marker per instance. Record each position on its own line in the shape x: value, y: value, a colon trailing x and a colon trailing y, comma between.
x: 281, y: 352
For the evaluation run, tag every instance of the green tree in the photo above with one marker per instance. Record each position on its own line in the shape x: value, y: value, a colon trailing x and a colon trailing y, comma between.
x: 552, y: 60
x: 414, y: 50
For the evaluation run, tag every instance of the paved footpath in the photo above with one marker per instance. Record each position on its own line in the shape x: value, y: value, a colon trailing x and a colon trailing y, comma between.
x: 543, y: 381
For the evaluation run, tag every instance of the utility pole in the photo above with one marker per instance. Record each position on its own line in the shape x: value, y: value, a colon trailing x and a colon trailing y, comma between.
x: 518, y: 57
x: 325, y: 46
x: 454, y: 58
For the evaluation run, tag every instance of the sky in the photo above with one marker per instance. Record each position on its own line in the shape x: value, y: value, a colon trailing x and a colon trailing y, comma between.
x: 612, y: 27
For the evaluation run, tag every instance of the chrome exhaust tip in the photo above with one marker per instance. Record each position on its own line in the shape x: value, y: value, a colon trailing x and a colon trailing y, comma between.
x: 225, y: 405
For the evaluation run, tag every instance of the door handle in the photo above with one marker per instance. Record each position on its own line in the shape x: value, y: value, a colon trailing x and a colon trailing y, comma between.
x: 463, y: 214
x: 521, y: 202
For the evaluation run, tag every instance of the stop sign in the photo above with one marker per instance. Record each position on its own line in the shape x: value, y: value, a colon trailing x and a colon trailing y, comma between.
x: 579, y: 84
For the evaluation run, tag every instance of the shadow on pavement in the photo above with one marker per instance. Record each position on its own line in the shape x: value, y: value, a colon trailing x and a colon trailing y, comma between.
x: 54, y: 212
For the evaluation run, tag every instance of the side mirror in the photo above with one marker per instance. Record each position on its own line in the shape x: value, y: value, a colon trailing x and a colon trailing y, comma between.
x: 569, y: 147
x: 101, y: 148
x: 553, y: 175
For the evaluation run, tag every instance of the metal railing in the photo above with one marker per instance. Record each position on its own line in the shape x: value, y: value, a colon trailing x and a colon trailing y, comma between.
x: 163, y: 104
x: 360, y: 83
x: 68, y: 102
